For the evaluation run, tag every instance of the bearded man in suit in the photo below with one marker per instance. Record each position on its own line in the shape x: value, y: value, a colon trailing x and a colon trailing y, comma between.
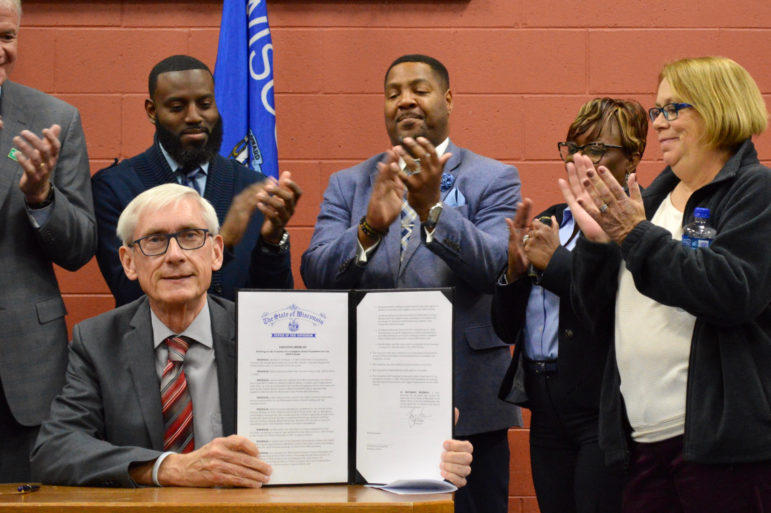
x: 252, y: 209
x: 48, y: 216
x: 426, y: 214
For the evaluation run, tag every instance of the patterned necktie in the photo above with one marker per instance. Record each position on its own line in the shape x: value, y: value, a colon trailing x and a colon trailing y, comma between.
x: 190, y: 179
x: 408, y: 222
x: 176, y: 403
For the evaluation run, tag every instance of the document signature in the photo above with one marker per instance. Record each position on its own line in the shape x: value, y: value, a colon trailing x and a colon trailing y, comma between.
x: 416, y: 417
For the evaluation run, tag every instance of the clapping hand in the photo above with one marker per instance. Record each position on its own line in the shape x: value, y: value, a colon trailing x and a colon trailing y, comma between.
x: 599, y: 204
x: 422, y: 175
x: 37, y: 157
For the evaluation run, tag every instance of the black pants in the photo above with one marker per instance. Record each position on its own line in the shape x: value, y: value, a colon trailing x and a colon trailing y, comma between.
x: 569, y: 471
x: 487, y: 487
x: 15, y: 445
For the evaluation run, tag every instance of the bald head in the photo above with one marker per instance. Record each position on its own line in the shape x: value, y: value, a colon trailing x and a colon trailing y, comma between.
x: 15, y: 5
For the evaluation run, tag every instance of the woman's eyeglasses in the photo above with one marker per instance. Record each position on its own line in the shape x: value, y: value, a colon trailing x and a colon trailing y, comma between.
x: 594, y: 150
x: 670, y: 111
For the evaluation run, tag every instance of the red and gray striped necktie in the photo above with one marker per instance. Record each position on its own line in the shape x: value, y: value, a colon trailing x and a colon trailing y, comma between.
x: 175, y: 399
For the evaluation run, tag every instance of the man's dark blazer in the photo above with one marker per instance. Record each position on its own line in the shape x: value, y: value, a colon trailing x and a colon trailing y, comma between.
x: 109, y: 411
x: 582, y: 354
x: 33, y: 334
x: 468, y: 252
x: 248, y: 266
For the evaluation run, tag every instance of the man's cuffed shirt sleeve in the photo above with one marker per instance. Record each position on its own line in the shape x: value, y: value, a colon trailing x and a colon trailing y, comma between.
x: 157, y: 465
x: 363, y: 255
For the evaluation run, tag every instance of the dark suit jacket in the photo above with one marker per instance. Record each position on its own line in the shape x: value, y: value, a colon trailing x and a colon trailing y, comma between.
x: 582, y: 354
x: 468, y: 252
x: 108, y: 414
x: 247, y: 266
x: 33, y: 335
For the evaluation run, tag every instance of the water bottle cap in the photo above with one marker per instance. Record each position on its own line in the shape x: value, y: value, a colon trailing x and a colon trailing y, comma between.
x: 701, y: 212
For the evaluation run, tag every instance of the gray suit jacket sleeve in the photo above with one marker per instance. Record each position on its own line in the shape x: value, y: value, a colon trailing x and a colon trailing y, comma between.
x: 71, y: 448
x: 69, y: 236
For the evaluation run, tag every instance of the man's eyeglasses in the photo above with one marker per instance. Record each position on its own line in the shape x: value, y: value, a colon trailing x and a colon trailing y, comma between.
x: 158, y: 243
x: 670, y: 111
x: 595, y: 150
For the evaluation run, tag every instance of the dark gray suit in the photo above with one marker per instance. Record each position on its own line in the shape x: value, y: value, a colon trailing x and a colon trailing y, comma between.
x: 33, y: 340
x: 468, y: 252
x: 109, y: 412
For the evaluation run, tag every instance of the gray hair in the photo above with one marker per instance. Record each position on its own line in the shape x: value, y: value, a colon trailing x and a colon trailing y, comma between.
x: 159, y: 197
x: 14, y: 4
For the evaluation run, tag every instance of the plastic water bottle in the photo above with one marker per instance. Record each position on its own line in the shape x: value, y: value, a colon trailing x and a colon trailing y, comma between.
x: 698, y: 234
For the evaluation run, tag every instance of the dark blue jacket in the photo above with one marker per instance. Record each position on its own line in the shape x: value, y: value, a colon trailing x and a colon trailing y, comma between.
x: 727, y: 287
x: 247, y: 266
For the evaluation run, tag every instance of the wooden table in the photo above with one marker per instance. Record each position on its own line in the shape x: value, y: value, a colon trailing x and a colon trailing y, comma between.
x: 279, y: 499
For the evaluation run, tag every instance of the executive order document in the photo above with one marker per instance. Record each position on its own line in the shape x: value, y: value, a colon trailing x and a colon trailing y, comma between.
x: 292, y: 395
x: 404, y: 384
x: 341, y: 386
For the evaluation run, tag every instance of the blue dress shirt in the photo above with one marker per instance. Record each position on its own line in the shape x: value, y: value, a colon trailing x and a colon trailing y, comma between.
x: 543, y: 308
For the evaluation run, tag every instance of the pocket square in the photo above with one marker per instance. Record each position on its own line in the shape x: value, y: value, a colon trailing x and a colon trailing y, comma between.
x: 454, y: 198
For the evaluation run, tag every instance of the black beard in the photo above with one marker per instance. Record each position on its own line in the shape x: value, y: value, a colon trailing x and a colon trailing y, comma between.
x: 193, y: 156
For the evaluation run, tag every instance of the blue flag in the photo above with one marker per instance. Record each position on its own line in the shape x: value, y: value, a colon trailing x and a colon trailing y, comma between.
x: 243, y: 78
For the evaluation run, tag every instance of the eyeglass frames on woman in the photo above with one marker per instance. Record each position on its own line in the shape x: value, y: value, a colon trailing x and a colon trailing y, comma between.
x: 158, y: 243
x: 594, y: 150
x: 670, y: 111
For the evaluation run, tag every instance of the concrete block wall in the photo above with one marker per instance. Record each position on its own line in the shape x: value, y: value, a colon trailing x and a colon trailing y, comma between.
x: 519, y: 70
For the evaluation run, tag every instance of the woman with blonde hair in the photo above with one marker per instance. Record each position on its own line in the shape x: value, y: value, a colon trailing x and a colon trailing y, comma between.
x: 686, y: 395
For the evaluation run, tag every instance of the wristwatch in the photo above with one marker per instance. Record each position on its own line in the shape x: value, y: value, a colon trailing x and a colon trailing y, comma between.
x: 47, y: 201
x: 433, y: 216
x: 277, y: 249
x: 534, y: 274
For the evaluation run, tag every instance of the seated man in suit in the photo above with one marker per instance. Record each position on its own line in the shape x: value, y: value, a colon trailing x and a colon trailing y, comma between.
x: 430, y: 214
x: 47, y: 219
x: 252, y: 210
x: 149, y: 396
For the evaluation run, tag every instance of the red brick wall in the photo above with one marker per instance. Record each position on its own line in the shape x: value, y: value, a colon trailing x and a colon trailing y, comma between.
x: 520, y: 69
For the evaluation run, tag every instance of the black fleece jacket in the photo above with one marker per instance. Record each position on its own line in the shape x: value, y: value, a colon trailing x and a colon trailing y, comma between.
x: 727, y: 287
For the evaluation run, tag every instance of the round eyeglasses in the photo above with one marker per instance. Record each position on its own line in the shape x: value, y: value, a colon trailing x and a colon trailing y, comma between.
x: 670, y: 111
x: 158, y: 243
x: 594, y: 150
